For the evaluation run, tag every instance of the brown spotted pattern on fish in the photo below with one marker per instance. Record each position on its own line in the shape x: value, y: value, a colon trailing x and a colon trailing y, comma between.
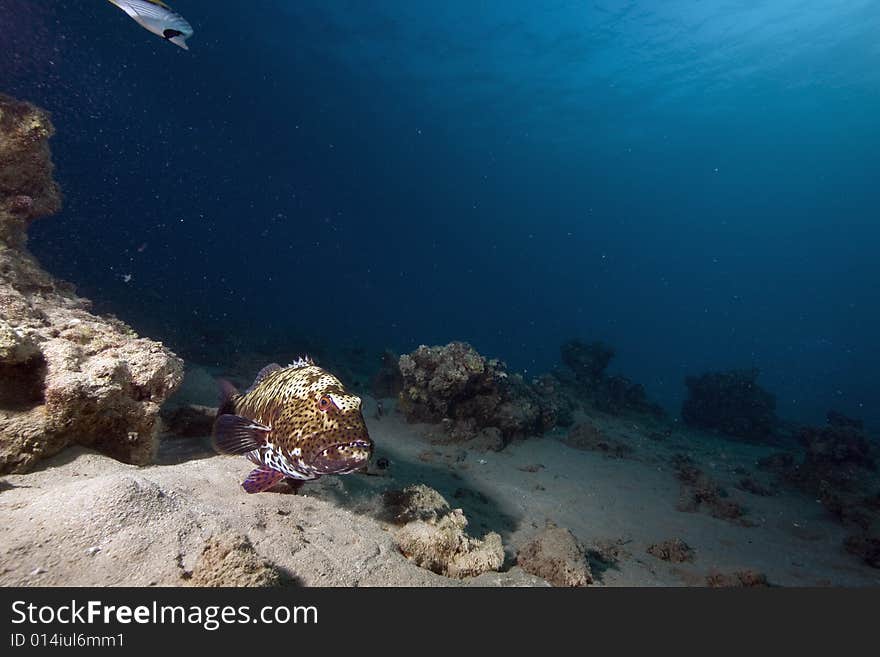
x: 298, y: 421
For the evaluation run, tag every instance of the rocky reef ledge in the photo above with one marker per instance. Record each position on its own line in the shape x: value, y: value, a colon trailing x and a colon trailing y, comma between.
x: 66, y: 376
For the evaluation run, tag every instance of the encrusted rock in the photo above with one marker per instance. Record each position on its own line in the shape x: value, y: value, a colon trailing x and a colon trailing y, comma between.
x: 66, y: 376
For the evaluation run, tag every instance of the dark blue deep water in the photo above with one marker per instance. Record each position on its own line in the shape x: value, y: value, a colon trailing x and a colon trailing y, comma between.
x: 696, y: 183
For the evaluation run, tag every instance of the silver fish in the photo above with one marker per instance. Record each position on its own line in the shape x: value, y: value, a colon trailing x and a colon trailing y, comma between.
x: 158, y: 18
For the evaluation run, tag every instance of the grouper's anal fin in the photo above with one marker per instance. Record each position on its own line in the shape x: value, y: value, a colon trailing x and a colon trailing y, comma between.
x: 261, y: 479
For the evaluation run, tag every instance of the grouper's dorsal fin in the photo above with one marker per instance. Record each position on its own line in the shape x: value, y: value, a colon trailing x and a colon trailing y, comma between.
x: 303, y: 361
x: 263, y: 373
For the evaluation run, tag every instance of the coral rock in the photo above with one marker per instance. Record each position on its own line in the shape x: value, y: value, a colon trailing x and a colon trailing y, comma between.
x: 557, y: 556
x: 586, y: 436
x: 443, y: 547
x: 416, y: 502
x: 738, y: 579
x: 588, y: 361
x: 433, y: 535
x: 66, y: 376
x: 616, y: 394
x: 674, y: 550
x: 230, y: 560
x: 699, y: 490
x: 458, y: 387
x: 732, y: 403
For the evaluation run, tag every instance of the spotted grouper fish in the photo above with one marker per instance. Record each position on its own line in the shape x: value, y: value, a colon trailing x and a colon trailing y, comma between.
x: 296, y: 422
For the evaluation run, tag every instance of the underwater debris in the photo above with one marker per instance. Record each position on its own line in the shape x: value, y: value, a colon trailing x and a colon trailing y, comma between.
x: 66, y: 376
x: 456, y: 386
x: 557, y: 556
x: 586, y: 436
x: 673, y: 550
x: 230, y: 560
x: 731, y: 403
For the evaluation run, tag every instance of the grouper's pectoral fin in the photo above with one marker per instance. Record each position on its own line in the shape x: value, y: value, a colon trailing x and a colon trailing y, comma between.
x: 234, y: 434
x: 261, y: 479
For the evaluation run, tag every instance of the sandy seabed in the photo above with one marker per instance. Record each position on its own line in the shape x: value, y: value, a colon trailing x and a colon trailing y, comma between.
x: 85, y: 519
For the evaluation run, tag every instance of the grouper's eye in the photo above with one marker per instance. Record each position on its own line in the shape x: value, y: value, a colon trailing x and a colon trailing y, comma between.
x: 325, y: 403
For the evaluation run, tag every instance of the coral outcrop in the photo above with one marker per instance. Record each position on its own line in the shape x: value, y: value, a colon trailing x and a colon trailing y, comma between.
x: 613, y: 394
x: 839, y: 468
x: 731, y: 403
x: 587, y: 360
x: 66, y: 375
x: 455, y: 385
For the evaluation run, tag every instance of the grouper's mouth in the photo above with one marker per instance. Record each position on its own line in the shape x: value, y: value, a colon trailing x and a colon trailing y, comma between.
x: 343, y: 457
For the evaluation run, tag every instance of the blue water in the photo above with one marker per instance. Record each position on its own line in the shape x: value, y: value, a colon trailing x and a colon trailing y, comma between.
x: 693, y: 182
